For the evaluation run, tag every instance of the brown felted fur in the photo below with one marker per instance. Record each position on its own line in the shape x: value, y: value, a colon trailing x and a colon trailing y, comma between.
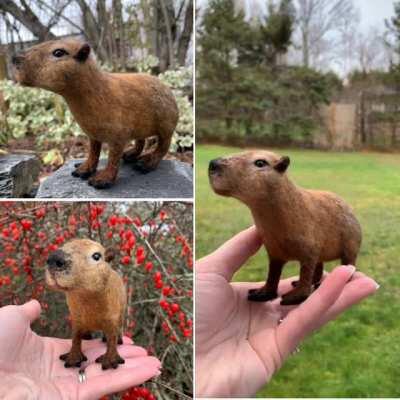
x: 95, y: 294
x: 109, y: 107
x: 308, y: 226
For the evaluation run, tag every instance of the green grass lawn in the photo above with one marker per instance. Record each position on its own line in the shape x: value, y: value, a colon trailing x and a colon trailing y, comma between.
x: 358, y: 355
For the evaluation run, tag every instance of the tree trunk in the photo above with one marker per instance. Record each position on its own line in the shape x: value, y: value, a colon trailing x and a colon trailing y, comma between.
x: 168, y: 29
x: 27, y: 17
x: 92, y: 30
x: 119, y: 31
x: 186, y: 35
x: 305, y: 48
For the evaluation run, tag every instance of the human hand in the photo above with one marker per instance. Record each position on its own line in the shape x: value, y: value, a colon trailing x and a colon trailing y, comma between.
x: 30, y: 368
x: 241, y: 344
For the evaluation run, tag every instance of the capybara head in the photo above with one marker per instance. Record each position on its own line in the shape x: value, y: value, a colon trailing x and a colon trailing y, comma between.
x: 247, y: 174
x: 81, y: 264
x: 52, y: 65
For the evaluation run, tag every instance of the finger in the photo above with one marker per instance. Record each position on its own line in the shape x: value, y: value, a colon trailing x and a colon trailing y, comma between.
x: 304, y: 319
x: 125, y: 351
x: 286, y: 285
x: 112, y: 381
x: 95, y: 369
x: 32, y: 310
x: 227, y: 259
x: 355, y: 291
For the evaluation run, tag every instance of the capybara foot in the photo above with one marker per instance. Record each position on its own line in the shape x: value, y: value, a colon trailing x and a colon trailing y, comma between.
x: 101, y: 180
x: 130, y: 156
x: 143, y: 167
x: 296, y: 296
x: 315, y: 285
x: 82, y: 171
x: 261, y: 295
x: 73, y: 359
x: 104, y: 339
x: 107, y: 361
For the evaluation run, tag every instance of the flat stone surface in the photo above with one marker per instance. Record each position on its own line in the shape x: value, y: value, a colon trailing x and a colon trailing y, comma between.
x: 172, y: 179
x: 19, y: 174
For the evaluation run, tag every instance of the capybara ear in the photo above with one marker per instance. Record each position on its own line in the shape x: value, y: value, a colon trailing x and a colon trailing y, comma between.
x: 282, y: 164
x: 109, y: 254
x: 83, y: 53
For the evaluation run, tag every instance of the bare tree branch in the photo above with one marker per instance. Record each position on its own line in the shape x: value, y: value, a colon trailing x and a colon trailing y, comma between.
x: 28, y: 18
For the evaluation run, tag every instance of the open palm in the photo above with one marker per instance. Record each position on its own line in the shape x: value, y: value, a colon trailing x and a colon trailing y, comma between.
x: 241, y: 344
x: 30, y: 367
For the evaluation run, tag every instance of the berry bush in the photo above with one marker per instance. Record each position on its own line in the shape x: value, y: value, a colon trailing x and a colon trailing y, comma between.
x: 153, y: 243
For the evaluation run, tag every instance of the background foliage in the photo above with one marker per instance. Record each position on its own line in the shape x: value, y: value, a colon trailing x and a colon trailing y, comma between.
x: 154, y: 246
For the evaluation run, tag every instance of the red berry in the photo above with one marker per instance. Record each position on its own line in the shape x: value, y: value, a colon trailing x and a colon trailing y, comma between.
x: 175, y: 307
x: 157, y: 276
x: 158, y: 284
x: 26, y: 224
x: 125, y: 260
x: 148, y: 266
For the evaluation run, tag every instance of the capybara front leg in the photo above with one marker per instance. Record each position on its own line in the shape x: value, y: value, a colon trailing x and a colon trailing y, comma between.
x: 131, y: 155
x: 303, y: 288
x: 111, y: 358
x: 106, y: 177
x: 270, y: 290
x: 88, y: 168
x: 75, y: 357
x: 149, y: 161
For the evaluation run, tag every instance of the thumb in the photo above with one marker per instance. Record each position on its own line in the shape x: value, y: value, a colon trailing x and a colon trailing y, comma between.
x: 32, y: 310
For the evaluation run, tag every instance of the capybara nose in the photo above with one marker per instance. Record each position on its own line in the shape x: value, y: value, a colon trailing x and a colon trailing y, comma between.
x: 17, y: 59
x: 215, y: 165
x: 56, y: 260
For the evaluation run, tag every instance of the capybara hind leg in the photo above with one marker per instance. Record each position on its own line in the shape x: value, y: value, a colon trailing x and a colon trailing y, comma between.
x: 319, y: 270
x: 88, y: 168
x: 75, y: 357
x: 104, y: 339
x: 106, y: 177
x: 348, y: 259
x: 131, y: 155
x: 149, y: 161
x: 302, y: 289
x: 270, y: 290
x: 111, y: 358
x: 87, y: 336
x: 317, y: 278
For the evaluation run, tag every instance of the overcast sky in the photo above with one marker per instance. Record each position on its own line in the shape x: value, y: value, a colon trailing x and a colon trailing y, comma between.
x: 374, y: 12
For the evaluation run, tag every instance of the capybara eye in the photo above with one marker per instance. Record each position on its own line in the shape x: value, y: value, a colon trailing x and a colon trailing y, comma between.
x: 96, y: 256
x: 59, y: 53
x: 260, y: 163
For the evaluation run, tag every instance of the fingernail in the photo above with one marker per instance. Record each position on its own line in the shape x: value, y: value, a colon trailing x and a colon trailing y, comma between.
x: 351, y: 269
x: 377, y: 286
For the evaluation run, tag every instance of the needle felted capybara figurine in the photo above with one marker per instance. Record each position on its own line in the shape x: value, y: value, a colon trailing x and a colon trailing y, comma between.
x: 308, y: 226
x: 96, y: 297
x: 113, y: 108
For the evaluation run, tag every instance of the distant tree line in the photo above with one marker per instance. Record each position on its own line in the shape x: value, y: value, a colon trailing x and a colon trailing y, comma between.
x: 245, y: 87
x: 250, y: 88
